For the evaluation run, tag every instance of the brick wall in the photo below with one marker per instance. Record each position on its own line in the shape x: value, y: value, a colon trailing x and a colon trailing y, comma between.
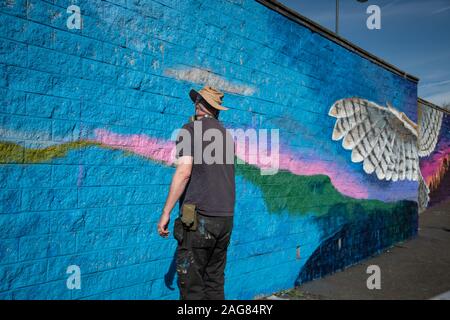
x: 86, y: 116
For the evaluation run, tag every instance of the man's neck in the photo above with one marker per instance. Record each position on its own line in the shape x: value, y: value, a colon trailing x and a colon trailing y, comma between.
x: 205, y: 116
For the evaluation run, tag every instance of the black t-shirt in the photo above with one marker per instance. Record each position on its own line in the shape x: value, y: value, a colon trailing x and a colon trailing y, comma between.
x: 211, y: 186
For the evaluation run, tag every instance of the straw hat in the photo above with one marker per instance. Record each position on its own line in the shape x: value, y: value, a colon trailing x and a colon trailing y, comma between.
x: 211, y: 95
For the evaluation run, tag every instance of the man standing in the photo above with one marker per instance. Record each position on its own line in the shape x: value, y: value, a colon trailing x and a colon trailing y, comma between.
x: 206, y: 190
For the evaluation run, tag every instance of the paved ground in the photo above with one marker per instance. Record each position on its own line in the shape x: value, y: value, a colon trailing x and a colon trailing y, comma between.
x: 417, y: 269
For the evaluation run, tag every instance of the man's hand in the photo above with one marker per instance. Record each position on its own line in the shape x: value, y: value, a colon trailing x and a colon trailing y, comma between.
x: 163, y: 225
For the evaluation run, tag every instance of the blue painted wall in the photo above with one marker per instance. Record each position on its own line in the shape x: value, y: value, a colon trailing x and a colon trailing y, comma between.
x: 71, y: 198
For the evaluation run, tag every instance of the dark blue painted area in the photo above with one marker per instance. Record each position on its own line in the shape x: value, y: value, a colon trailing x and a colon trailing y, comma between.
x: 359, y: 239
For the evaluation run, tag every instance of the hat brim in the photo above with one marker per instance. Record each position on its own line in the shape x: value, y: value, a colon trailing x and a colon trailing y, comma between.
x: 194, y: 94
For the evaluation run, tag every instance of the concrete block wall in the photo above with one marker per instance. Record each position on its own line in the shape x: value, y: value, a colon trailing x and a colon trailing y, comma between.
x: 86, y: 117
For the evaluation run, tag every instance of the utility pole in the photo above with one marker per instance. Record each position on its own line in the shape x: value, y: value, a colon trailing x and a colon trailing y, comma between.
x: 337, y: 17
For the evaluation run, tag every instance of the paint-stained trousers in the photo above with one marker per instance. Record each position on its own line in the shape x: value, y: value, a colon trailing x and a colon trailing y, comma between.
x: 201, y: 257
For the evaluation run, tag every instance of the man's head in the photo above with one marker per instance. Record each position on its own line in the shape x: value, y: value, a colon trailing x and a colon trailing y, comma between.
x: 207, y: 101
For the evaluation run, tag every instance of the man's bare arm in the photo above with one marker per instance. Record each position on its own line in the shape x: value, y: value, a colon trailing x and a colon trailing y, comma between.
x: 179, y: 182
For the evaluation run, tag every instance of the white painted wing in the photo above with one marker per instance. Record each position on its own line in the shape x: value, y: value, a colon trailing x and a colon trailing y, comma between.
x: 430, y: 122
x: 386, y: 144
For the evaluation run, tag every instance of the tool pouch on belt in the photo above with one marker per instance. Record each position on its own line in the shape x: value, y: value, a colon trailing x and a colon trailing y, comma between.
x: 189, y: 217
x: 178, y: 230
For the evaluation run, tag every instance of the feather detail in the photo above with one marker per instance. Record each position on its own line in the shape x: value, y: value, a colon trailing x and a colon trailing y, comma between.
x: 383, y: 139
x: 430, y: 122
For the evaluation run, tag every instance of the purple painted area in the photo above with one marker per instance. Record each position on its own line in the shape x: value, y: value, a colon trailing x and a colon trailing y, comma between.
x: 431, y: 166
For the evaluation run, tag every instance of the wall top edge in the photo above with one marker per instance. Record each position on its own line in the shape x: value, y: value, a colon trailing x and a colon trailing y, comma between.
x: 315, y: 27
x: 432, y: 105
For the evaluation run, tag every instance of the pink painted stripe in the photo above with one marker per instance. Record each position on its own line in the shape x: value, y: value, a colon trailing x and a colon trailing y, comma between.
x: 431, y: 166
x: 143, y: 145
x: 344, y: 182
x: 164, y: 151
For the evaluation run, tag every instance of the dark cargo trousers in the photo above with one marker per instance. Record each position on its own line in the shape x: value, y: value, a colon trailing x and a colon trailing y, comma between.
x: 201, y: 257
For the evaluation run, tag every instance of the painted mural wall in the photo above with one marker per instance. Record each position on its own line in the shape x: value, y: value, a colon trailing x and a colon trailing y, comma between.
x: 86, y: 121
x: 435, y: 167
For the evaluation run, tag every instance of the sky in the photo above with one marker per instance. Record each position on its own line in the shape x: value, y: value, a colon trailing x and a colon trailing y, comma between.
x: 414, y: 36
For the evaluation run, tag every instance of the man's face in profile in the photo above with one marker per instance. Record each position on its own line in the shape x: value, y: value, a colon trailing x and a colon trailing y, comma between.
x: 200, y: 105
